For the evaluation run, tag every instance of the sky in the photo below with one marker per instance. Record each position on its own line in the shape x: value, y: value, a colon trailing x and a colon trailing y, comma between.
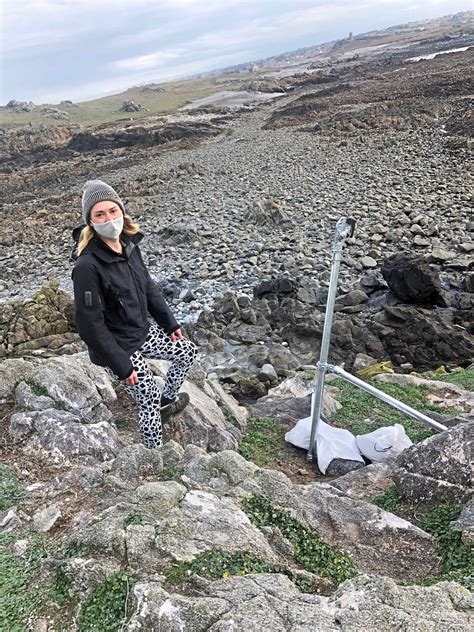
x: 52, y: 50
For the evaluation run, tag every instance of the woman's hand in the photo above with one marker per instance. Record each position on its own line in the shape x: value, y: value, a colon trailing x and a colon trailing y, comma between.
x: 176, y: 335
x: 131, y: 380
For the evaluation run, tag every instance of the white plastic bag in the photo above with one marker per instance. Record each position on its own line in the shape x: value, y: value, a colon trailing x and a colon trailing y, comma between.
x: 383, y: 443
x: 331, y: 443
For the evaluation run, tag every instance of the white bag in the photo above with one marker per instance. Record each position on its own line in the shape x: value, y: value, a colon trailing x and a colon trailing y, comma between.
x: 383, y: 443
x: 331, y: 443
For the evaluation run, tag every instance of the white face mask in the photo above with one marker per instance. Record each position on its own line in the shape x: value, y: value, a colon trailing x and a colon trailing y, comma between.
x: 111, y: 229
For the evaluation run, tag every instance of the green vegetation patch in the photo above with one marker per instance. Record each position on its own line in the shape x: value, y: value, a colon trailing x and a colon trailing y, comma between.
x: 132, y: 519
x: 10, y: 488
x: 261, y: 440
x: 363, y: 413
x: 458, y: 558
x: 171, y: 472
x: 463, y: 378
x: 310, y: 550
x: 21, y: 594
x: 216, y: 564
x: 390, y: 500
x: 106, y: 610
x: 38, y: 389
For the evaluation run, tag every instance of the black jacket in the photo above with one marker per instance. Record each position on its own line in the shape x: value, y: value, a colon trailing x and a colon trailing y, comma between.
x: 114, y: 295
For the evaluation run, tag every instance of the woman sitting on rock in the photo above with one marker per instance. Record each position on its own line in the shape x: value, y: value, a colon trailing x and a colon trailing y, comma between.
x: 114, y: 295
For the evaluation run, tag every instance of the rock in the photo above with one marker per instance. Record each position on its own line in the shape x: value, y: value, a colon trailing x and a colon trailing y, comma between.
x: 136, y: 461
x: 268, y: 212
x: 339, y: 467
x: 438, y: 469
x: 465, y: 523
x: 9, y: 520
x: 68, y: 381
x: 294, y: 408
x: 379, y: 541
x: 131, y: 106
x: 46, y: 517
x: 272, y: 603
x: 44, y: 321
x: 204, y: 521
x: 410, y: 278
x: 368, y: 262
x: 362, y: 361
x: 202, y: 422
x: 365, y: 483
x: 355, y: 297
x: 12, y: 372
x: 440, y: 254
x: 235, y: 414
x: 24, y: 397
x: 60, y: 433
x: 144, y: 136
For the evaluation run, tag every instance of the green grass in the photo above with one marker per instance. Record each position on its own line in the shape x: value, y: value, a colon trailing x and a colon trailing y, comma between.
x: 11, y: 491
x: 171, y: 472
x: 390, y: 500
x: 38, y: 389
x: 132, y: 519
x: 216, y: 564
x: 21, y: 593
x: 261, y: 440
x: 106, y: 109
x: 458, y: 558
x: 106, y: 610
x: 314, y: 555
x: 358, y: 406
x: 463, y: 378
x: 121, y: 422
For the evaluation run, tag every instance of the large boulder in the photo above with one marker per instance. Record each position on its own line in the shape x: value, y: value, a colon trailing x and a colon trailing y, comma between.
x: 410, y: 278
x: 202, y: 422
x: 377, y: 540
x: 272, y: 603
x: 41, y: 324
x: 438, y: 469
x: 64, y: 437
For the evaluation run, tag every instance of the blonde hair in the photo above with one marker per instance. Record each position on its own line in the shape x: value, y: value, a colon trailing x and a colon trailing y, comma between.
x: 129, y: 228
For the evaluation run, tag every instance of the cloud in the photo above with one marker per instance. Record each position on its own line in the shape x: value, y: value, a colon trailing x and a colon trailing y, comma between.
x: 94, y: 47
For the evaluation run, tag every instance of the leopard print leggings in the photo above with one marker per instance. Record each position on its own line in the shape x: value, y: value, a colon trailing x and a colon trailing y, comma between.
x: 146, y: 393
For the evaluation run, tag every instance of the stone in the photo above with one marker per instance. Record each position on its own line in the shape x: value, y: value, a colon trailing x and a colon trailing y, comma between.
x: 62, y: 435
x: 379, y: 541
x: 362, y: 361
x: 204, y: 521
x: 438, y: 469
x: 465, y: 523
x: 9, y: 520
x: 67, y: 382
x: 365, y: 483
x: 368, y: 262
x: 410, y: 278
x: 46, y: 517
x: 25, y: 398
x: 339, y: 467
x: 202, y: 422
x: 136, y: 461
x: 237, y: 415
x: 272, y: 603
x: 12, y: 372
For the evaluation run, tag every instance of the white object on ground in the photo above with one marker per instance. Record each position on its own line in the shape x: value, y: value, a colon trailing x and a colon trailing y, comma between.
x: 383, y: 443
x: 331, y: 443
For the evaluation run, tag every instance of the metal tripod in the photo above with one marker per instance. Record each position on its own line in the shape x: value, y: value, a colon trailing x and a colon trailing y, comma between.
x: 345, y: 228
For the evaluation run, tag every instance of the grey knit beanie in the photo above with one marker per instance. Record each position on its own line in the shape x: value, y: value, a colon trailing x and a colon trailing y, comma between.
x: 98, y: 191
